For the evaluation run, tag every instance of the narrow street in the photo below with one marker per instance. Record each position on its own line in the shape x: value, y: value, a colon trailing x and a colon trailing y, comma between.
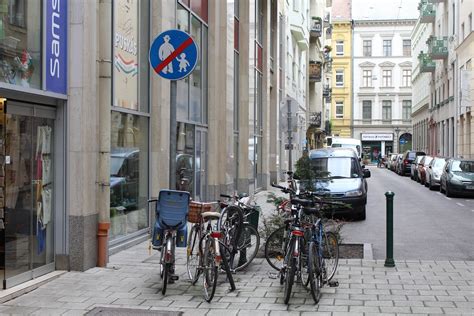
x: 427, y: 224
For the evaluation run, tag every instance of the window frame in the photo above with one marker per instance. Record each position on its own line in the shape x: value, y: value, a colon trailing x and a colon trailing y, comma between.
x: 341, y: 73
x: 339, y: 44
x: 386, y: 109
x: 406, y: 78
x: 367, y: 78
x: 338, y: 105
x: 406, y: 47
x: 366, y: 104
x: 387, y: 79
x: 367, y: 49
x: 387, y: 49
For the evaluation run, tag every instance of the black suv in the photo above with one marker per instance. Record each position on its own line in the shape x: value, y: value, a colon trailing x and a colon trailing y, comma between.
x: 408, y: 158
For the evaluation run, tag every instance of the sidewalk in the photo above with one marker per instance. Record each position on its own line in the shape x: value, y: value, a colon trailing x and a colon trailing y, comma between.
x: 131, y: 281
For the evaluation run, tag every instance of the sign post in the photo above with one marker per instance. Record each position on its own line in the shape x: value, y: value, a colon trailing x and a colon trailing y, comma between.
x: 173, y: 56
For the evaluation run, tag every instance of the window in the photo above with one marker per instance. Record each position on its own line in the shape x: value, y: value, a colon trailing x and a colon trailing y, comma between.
x: 406, y: 78
x: 386, y: 78
x: 339, y: 48
x: 462, y: 31
x: 406, y: 108
x: 367, y: 48
x: 387, y: 47
x: 339, y: 109
x: 20, y: 42
x: 367, y: 78
x: 339, y: 78
x: 386, y: 110
x: 406, y: 47
x: 366, y: 110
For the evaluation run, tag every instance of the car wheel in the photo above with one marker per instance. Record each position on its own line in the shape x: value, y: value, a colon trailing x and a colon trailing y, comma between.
x: 361, y: 213
x: 448, y: 193
x: 430, y: 185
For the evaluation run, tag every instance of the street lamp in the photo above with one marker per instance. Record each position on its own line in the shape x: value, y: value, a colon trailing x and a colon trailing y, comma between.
x: 397, y: 130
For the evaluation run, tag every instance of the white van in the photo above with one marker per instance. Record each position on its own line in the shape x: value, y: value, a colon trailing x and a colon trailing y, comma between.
x: 353, y: 143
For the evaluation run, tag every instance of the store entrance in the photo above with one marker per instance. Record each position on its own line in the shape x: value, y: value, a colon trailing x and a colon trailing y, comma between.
x: 27, y: 242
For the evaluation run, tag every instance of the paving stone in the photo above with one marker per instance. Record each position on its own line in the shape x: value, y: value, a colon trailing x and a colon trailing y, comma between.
x: 273, y: 307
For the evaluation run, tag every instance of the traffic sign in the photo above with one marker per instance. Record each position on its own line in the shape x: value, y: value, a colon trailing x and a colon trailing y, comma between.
x: 173, y: 54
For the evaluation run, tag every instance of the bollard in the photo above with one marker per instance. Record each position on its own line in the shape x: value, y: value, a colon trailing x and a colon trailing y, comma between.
x: 389, y: 262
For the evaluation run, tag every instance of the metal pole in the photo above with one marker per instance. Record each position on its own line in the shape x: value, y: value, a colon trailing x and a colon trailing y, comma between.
x: 173, y: 132
x: 290, y: 145
x: 389, y: 262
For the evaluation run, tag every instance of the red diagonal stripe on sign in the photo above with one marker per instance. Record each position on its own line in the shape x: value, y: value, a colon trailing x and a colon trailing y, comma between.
x: 173, y: 55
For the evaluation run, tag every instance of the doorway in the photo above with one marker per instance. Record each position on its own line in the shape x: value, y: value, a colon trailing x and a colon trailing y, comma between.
x: 28, y: 238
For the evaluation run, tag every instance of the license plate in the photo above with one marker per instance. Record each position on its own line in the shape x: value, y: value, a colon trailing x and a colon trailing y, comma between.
x: 470, y: 187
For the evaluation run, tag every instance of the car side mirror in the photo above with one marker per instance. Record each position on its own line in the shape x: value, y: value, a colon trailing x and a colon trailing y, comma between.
x: 363, y: 166
x: 366, y: 173
x: 296, y: 177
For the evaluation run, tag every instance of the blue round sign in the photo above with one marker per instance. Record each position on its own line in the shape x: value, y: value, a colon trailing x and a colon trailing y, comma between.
x: 173, y: 54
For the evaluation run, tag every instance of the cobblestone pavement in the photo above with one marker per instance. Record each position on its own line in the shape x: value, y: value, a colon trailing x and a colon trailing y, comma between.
x: 366, y: 287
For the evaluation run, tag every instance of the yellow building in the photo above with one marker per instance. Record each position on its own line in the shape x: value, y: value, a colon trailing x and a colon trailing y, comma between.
x: 341, y: 104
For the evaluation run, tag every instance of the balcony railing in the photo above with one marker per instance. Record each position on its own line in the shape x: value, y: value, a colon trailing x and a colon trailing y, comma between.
x: 427, y: 12
x: 426, y: 63
x: 438, y: 47
x: 316, y: 26
x: 437, y: 1
x: 327, y: 20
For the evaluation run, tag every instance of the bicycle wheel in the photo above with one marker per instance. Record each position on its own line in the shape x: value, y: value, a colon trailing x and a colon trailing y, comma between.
x: 275, y: 248
x: 314, y: 271
x: 230, y: 224
x: 193, y: 255
x: 330, y: 255
x: 166, y: 272
x: 290, y: 277
x: 247, y: 247
x: 209, y: 270
x: 304, y: 259
x: 162, y: 261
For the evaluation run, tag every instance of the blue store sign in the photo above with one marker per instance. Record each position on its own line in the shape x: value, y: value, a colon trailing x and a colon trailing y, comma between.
x: 173, y: 54
x: 56, y: 46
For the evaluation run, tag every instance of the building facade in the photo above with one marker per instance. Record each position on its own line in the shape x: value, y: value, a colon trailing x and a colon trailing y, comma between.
x: 422, y: 68
x: 341, y: 49
x: 382, y: 86
x: 86, y: 131
x: 465, y: 80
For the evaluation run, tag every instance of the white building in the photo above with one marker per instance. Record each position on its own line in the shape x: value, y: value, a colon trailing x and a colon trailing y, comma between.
x: 422, y: 70
x: 382, y: 72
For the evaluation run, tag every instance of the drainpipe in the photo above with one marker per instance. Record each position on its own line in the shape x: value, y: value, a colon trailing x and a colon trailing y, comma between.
x: 105, y: 94
x: 352, y: 78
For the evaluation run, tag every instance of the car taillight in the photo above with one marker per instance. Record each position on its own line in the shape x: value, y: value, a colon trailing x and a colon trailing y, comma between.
x: 405, y: 162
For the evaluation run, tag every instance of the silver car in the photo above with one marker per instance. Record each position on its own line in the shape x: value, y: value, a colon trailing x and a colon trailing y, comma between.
x: 434, y: 171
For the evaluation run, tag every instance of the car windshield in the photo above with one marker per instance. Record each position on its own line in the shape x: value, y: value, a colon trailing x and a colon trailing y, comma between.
x: 428, y: 160
x: 462, y: 166
x: 335, y: 167
x: 115, y: 165
x: 439, y: 163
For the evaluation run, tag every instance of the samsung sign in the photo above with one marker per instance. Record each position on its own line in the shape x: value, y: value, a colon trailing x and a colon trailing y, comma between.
x: 56, y: 46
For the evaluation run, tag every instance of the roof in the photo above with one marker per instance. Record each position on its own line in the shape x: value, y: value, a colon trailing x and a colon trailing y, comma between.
x: 385, y: 9
x: 332, y: 152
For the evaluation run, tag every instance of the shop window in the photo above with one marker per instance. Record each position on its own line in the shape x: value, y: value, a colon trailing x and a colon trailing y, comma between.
x: 128, y: 174
x: 20, y: 42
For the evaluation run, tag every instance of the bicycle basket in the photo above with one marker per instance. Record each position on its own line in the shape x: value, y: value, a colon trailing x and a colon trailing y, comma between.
x: 196, y: 209
x: 172, y: 208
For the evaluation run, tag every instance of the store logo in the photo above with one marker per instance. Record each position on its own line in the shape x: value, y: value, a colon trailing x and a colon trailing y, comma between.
x: 56, y: 46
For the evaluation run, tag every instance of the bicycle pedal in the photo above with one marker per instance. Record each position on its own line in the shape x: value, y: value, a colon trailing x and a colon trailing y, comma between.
x: 174, y: 277
x: 333, y: 283
x: 273, y: 275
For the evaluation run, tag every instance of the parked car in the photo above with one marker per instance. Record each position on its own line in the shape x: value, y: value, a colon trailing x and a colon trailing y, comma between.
x: 393, y: 162
x: 408, y: 157
x: 458, y: 177
x: 340, y: 177
x: 414, y: 168
x: 386, y: 161
x: 434, y: 171
x: 422, y: 166
x: 124, y: 176
x: 398, y: 163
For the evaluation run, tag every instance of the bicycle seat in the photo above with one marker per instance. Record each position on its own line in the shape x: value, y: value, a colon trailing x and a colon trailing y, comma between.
x: 211, y: 215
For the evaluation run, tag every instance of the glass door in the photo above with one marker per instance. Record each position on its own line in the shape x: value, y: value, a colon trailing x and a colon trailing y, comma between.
x: 29, y: 189
x: 201, y: 164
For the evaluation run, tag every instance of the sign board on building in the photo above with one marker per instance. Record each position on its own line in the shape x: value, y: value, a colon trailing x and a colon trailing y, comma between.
x: 377, y: 137
x: 56, y: 46
x: 173, y: 54
x: 315, y: 71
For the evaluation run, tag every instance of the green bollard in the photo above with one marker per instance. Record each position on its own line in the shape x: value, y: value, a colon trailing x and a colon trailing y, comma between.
x: 389, y: 262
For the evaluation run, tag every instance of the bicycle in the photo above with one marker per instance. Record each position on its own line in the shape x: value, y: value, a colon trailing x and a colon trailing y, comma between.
x: 204, y: 252
x: 171, y: 213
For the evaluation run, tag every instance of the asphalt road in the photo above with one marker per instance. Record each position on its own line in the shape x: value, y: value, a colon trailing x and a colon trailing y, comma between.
x: 427, y: 224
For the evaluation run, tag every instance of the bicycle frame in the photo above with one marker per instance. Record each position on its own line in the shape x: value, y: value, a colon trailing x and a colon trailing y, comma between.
x: 170, y: 237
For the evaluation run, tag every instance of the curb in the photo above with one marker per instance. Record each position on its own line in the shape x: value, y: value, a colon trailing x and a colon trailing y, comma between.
x: 19, y: 290
x: 368, y: 252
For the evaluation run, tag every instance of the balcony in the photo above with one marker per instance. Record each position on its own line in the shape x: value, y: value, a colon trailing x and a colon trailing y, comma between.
x: 316, y: 26
x: 327, y: 91
x: 437, y: 1
x: 438, y: 47
x: 315, y: 119
x: 426, y: 63
x: 315, y: 71
x: 427, y: 12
